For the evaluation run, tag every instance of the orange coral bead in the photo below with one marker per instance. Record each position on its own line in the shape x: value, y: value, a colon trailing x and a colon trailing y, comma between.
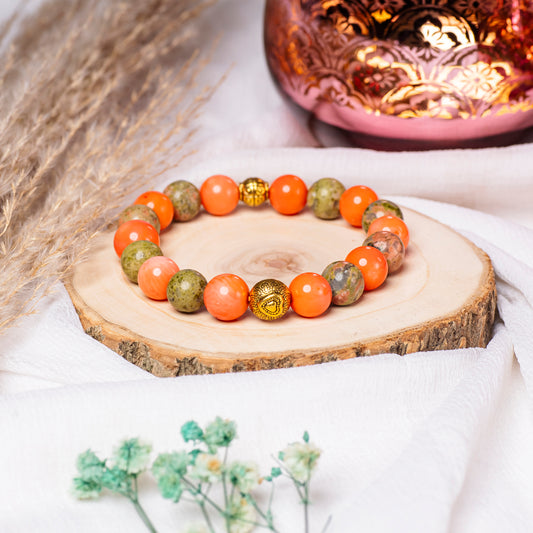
x: 288, y: 194
x: 393, y: 224
x: 154, y: 275
x: 161, y: 204
x: 372, y: 264
x: 219, y: 194
x: 353, y: 203
x: 226, y: 297
x: 311, y: 294
x: 131, y: 231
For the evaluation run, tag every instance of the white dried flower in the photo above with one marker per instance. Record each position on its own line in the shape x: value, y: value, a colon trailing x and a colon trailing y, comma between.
x: 207, y: 468
x: 300, y: 459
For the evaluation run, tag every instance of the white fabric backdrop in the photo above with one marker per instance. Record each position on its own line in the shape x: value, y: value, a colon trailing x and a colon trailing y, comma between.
x: 429, y: 442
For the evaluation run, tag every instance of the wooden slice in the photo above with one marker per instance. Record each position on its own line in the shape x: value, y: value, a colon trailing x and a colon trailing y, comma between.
x: 442, y: 298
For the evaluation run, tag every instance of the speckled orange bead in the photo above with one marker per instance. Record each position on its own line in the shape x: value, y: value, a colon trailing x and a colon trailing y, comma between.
x: 219, y: 194
x: 226, y: 297
x: 288, y: 194
x: 154, y: 275
x: 311, y: 294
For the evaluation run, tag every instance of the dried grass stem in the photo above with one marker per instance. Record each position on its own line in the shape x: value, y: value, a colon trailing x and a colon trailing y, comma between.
x: 97, y: 99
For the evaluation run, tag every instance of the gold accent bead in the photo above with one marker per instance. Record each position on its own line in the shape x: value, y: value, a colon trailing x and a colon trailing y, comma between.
x: 253, y: 191
x: 270, y: 299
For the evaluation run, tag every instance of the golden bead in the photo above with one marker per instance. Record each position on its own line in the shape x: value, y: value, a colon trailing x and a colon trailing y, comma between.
x: 253, y: 191
x: 269, y: 299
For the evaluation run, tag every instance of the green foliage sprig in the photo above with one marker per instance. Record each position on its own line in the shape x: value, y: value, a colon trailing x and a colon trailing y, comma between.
x: 195, y: 474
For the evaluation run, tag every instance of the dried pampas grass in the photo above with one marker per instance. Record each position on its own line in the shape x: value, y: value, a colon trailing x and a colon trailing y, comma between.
x: 96, y: 99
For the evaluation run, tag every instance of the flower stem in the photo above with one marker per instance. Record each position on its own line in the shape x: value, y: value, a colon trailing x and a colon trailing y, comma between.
x: 204, y: 496
x: 271, y: 497
x: 269, y: 524
x: 144, y: 517
x: 292, y: 478
x: 226, y: 500
x: 206, y: 516
x: 326, y: 525
x: 306, y: 507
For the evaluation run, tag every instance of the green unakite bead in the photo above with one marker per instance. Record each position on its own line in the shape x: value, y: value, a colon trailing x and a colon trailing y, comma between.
x: 323, y: 198
x: 378, y: 209
x: 346, y: 282
x: 140, y: 212
x: 185, y: 290
x: 390, y: 245
x: 186, y: 199
x: 135, y: 254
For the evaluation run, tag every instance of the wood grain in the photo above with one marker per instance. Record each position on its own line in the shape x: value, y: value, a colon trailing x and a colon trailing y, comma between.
x: 444, y: 296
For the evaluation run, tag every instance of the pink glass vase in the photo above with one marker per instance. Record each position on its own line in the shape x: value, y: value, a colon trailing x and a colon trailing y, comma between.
x: 434, y: 73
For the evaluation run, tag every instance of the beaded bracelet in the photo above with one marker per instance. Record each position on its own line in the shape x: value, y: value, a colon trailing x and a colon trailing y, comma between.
x: 227, y: 296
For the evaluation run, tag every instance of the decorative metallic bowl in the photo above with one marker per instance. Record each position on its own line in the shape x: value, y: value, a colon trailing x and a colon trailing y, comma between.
x: 436, y: 71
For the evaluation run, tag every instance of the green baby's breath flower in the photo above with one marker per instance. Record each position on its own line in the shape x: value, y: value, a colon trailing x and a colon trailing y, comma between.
x: 275, y: 472
x: 117, y: 480
x: 207, y: 468
x: 89, y: 483
x: 132, y: 456
x: 168, y: 470
x: 129, y: 459
x: 86, y: 489
x: 191, y: 431
x: 300, y: 459
x: 90, y: 466
x: 171, y: 487
x: 193, y: 454
x: 220, y: 433
x: 177, y: 462
x: 242, y: 516
x: 244, y: 476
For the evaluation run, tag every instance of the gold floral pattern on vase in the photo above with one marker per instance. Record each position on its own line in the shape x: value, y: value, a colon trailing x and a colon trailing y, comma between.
x: 364, y: 65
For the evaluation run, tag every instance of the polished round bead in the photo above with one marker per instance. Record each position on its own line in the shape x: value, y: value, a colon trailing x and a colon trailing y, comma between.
x: 269, y: 299
x: 288, y: 194
x: 131, y: 231
x: 140, y: 212
x: 393, y: 224
x: 310, y: 294
x: 219, y: 194
x: 161, y: 204
x: 372, y: 264
x: 185, y: 198
x: 353, y: 203
x: 346, y: 282
x: 134, y: 255
x: 226, y: 297
x: 253, y: 192
x: 324, y: 196
x: 154, y: 275
x: 185, y: 290
x: 378, y: 209
x: 390, y: 245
